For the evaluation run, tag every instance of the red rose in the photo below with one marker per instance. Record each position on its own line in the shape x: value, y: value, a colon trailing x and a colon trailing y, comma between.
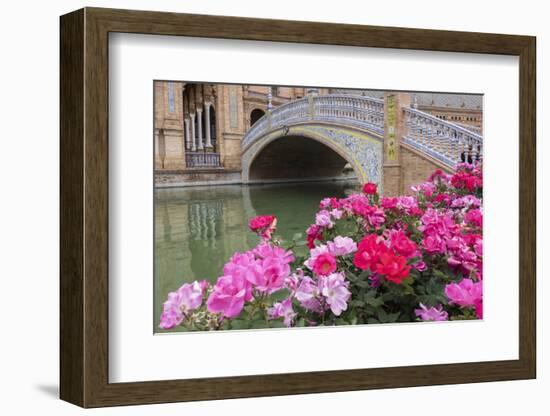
x: 368, y: 252
x: 369, y: 188
x: 393, y: 267
x: 402, y: 244
x: 263, y: 225
x: 314, y: 232
x: 465, y: 180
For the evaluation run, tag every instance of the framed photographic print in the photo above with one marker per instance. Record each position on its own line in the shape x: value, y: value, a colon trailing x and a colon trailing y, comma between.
x: 240, y: 196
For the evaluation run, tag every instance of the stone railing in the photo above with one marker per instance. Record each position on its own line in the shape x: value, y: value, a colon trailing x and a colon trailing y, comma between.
x: 447, y: 142
x: 358, y: 111
x: 475, y: 129
x: 202, y: 160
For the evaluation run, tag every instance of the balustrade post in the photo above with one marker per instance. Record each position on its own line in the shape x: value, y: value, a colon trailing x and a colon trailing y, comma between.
x: 429, y: 135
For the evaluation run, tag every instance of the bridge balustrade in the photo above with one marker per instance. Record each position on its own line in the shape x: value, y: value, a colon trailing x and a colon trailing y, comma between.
x: 359, y: 111
x: 447, y: 142
x: 202, y: 160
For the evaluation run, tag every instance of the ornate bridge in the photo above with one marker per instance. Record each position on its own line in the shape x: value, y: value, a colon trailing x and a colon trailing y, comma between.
x: 354, y: 127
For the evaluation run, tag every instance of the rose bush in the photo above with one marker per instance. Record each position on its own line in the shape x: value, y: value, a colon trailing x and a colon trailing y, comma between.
x: 366, y: 259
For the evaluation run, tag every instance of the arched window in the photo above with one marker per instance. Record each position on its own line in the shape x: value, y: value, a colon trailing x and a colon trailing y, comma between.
x: 255, y: 115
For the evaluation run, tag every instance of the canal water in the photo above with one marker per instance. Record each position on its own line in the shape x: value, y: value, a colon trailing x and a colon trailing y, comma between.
x: 197, y: 229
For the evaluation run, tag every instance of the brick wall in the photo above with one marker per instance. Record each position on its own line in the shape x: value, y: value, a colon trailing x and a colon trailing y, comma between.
x: 416, y: 168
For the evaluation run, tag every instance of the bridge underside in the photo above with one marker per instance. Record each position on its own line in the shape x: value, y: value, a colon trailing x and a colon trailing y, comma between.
x: 298, y: 158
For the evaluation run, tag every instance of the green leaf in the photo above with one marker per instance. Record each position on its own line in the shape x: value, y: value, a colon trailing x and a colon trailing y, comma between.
x: 393, y: 317
x: 357, y: 303
x: 371, y: 299
x: 382, y: 316
x: 408, y: 281
x: 239, y: 324
x: 439, y: 274
x: 258, y: 315
x: 243, y: 315
x: 408, y: 289
x: 259, y: 324
x: 301, y: 251
x: 279, y: 295
x: 387, y: 318
x: 297, y: 236
x: 365, y: 274
x: 362, y: 284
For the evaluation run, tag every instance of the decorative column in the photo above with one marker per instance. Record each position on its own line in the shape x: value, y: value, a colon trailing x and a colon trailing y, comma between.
x: 193, y: 135
x: 207, y: 124
x: 187, y: 133
x: 395, y: 127
x: 185, y: 144
x: 199, y: 119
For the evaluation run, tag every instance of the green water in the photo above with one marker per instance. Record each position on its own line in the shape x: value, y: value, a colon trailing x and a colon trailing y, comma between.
x: 198, y: 229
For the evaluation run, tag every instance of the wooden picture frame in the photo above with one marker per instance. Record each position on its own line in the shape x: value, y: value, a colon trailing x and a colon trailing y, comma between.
x: 84, y: 207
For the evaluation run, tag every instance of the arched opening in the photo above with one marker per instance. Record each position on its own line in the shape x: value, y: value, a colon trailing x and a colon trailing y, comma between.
x: 255, y: 115
x: 296, y: 158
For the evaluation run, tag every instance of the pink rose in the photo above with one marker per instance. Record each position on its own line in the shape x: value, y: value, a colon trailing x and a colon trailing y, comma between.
x: 474, y: 217
x: 274, y: 273
x: 465, y: 293
x: 324, y: 264
x: 283, y: 310
x: 335, y: 290
x: 433, y: 244
x: 308, y: 294
x: 245, y: 266
x: 431, y: 314
x: 322, y: 219
x: 187, y: 298
x: 228, y: 296
x: 341, y: 246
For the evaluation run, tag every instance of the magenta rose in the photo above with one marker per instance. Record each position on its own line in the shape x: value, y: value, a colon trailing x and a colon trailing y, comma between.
x: 263, y: 225
x: 370, y: 188
x: 229, y: 295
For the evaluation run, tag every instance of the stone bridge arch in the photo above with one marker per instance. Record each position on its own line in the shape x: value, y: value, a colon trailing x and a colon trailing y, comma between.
x: 351, y: 126
x: 363, y: 151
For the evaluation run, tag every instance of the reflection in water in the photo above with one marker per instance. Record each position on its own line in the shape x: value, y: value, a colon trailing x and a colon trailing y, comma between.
x: 203, y: 216
x: 198, y: 229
